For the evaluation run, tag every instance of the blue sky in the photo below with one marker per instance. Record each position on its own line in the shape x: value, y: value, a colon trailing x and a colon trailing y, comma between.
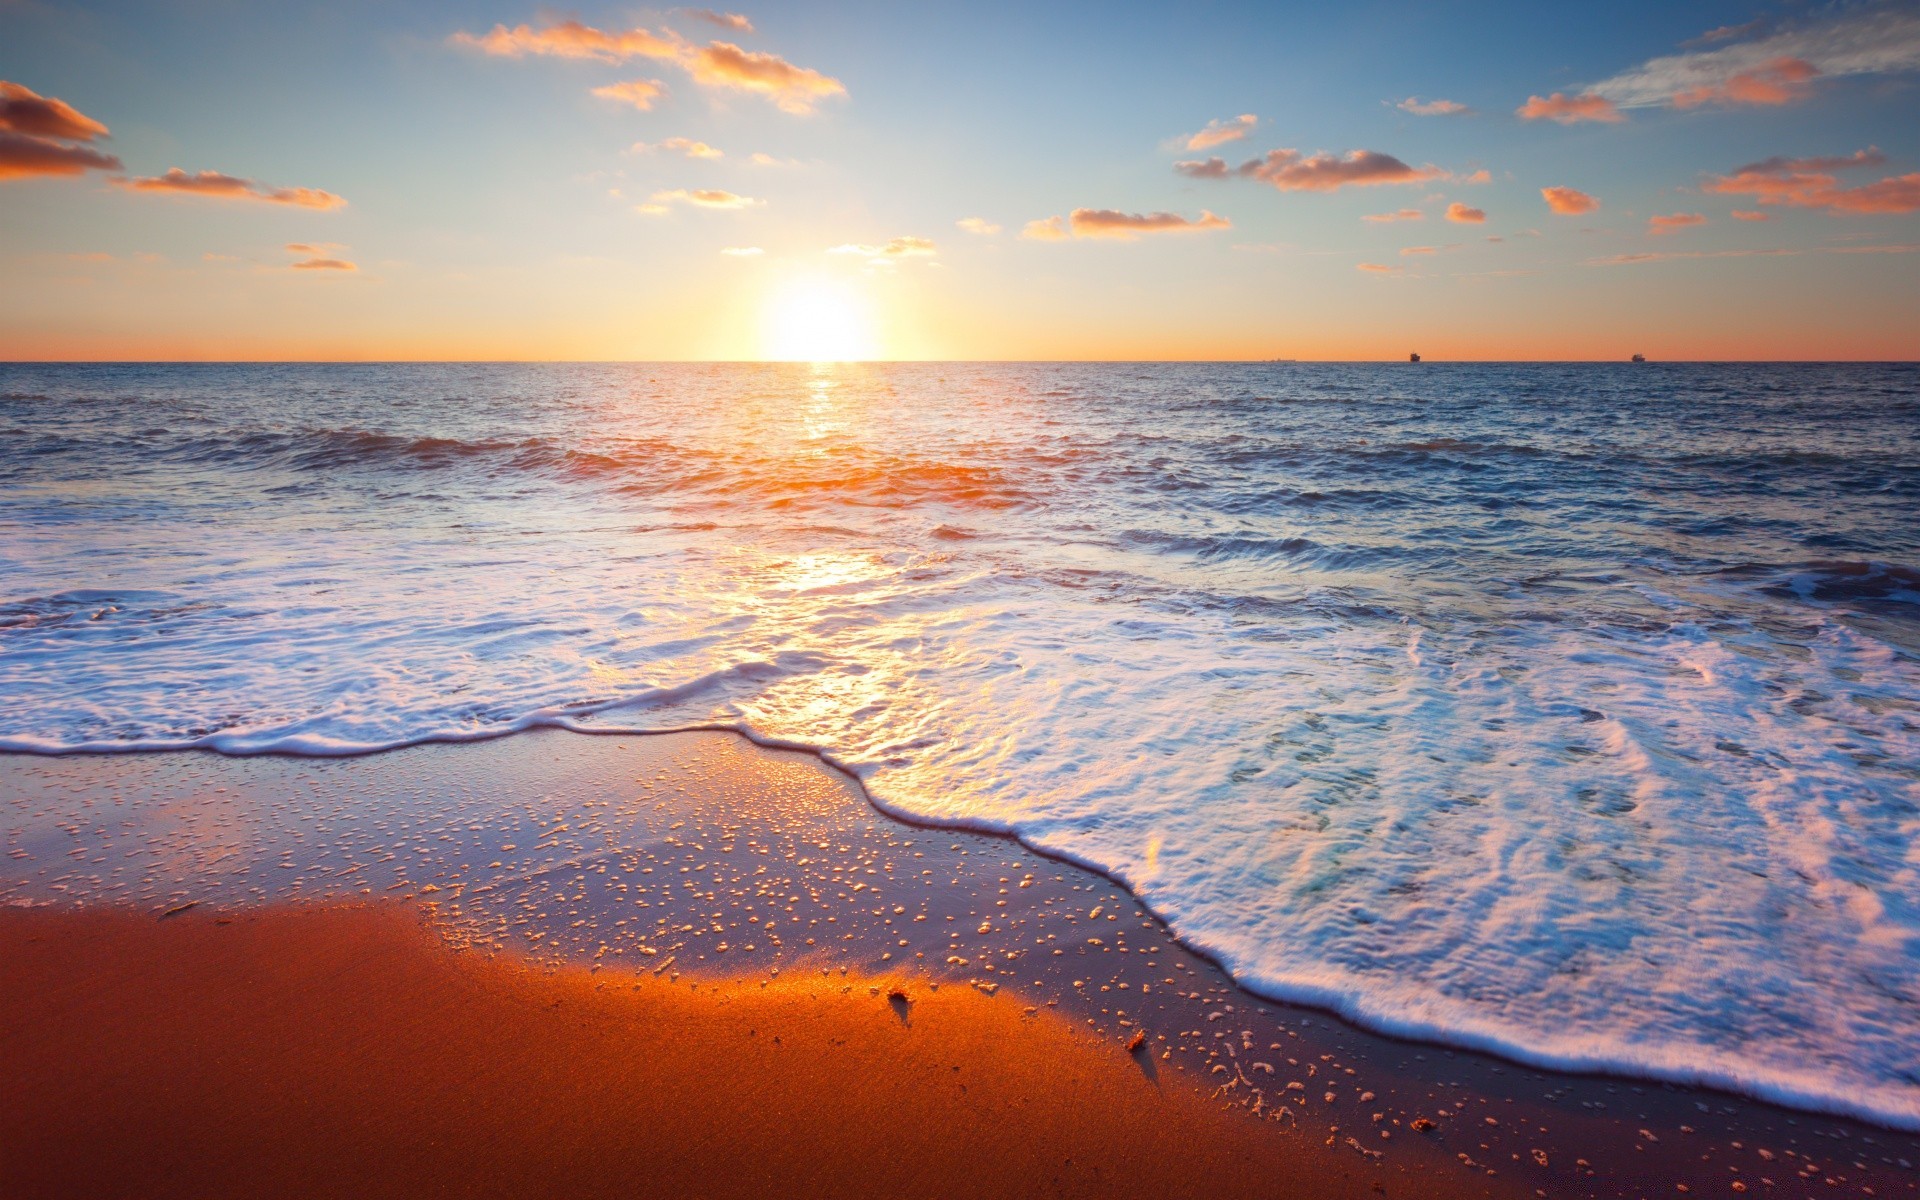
x: 495, y: 207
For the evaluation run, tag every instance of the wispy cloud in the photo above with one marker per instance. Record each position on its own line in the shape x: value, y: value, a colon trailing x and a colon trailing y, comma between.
x: 742, y: 251
x: 716, y: 65
x: 1877, y: 39
x: 712, y: 198
x: 733, y: 22
x: 1405, y: 214
x: 681, y: 145
x: 1431, y: 108
x: 1747, y: 214
x: 641, y: 93
x: 1568, y: 202
x: 1411, y: 251
x: 893, y: 250
x: 1570, y: 110
x: 977, y: 225
x: 1674, y: 222
x: 1219, y: 133
x: 1114, y: 225
x: 1781, y: 81
x: 1811, y: 183
x: 321, y: 257
x: 1379, y: 269
x: 1290, y: 171
x: 220, y: 186
x: 1460, y: 213
x: 792, y: 89
x: 40, y: 135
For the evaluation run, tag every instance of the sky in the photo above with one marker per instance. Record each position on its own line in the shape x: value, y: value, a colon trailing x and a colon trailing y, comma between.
x: 219, y: 180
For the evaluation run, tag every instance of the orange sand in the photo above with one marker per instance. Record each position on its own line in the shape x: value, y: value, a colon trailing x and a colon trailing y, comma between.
x: 345, y: 1051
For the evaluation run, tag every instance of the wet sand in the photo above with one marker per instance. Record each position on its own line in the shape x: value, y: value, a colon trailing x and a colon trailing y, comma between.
x: 559, y: 960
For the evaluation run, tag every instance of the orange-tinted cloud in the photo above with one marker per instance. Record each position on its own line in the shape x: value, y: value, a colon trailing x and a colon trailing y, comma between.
x: 23, y: 110
x: 725, y: 20
x: 1466, y: 216
x: 1481, y: 176
x: 1289, y: 171
x: 1410, y: 251
x: 230, y: 187
x: 1219, y: 133
x: 1379, y: 269
x: 1430, y: 108
x: 793, y: 89
x: 1570, y: 110
x: 1046, y: 229
x: 1674, y: 222
x: 641, y: 93
x: 682, y: 145
x: 1781, y: 81
x: 1405, y: 214
x: 22, y: 157
x: 1124, y: 226
x: 572, y: 39
x: 1745, y: 214
x: 896, y: 248
x: 1568, y: 202
x: 699, y: 198
x: 321, y: 257
x: 979, y: 225
x: 1810, y: 183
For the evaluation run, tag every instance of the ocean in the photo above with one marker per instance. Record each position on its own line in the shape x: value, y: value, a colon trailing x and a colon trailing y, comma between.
x: 1570, y: 712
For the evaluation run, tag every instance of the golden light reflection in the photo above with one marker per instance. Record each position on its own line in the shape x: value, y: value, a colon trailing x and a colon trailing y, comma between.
x: 814, y: 319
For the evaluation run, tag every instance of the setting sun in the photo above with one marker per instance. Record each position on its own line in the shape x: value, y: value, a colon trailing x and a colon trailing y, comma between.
x: 817, y: 320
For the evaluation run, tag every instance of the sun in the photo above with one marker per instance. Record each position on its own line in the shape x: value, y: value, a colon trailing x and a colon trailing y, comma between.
x: 817, y: 320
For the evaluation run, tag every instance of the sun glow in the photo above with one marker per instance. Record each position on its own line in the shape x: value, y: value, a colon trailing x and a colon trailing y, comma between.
x: 817, y: 320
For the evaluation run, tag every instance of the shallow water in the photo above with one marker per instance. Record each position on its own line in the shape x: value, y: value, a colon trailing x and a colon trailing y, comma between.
x: 1572, y: 712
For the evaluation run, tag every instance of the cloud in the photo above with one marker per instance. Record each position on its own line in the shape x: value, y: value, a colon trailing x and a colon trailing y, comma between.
x: 1123, y: 226
x: 1466, y: 216
x: 1570, y: 110
x: 1480, y: 176
x: 1647, y: 256
x: 1853, y: 40
x: 1219, y: 133
x: 1568, y: 202
x: 698, y: 198
x: 1810, y: 183
x: 1744, y: 214
x: 1379, y: 269
x: 979, y: 225
x: 681, y: 145
x: 22, y: 157
x: 25, y: 111
x: 572, y: 39
x: 1674, y: 222
x: 1410, y: 251
x: 792, y: 89
x: 641, y: 93
x: 1047, y: 229
x: 1289, y: 171
x: 895, y: 249
x: 33, y: 129
x: 717, y: 64
x: 725, y: 20
x: 1405, y: 214
x: 1727, y: 33
x: 741, y: 251
x: 320, y: 257
x: 1781, y: 81
x: 1430, y: 108
x: 230, y: 187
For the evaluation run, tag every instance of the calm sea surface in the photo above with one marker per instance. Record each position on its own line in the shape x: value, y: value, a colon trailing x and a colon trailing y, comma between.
x: 1568, y: 711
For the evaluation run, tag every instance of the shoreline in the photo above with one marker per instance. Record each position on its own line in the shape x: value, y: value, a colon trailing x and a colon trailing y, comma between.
x: 976, y: 925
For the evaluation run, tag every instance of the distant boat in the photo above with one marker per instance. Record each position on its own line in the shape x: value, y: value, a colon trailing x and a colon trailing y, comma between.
x: 1413, y: 358
x: 1639, y: 358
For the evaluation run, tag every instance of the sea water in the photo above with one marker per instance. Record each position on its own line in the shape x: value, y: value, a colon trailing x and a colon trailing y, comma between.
x: 1570, y: 712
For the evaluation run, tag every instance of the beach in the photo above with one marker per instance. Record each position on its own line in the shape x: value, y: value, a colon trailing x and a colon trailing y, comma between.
x: 563, y: 959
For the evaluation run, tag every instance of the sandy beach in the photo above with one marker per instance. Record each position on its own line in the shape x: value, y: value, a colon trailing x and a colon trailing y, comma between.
x: 570, y: 961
